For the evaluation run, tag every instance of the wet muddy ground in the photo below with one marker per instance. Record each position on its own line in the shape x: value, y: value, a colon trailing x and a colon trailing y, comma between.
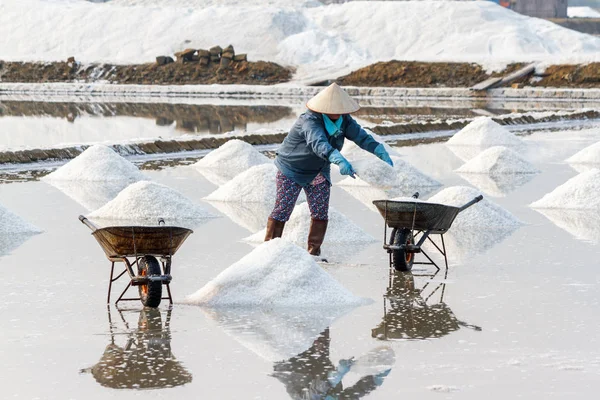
x: 516, y: 315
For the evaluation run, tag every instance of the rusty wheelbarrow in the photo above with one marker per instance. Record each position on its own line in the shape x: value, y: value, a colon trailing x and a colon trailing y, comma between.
x: 412, y: 223
x: 141, y: 247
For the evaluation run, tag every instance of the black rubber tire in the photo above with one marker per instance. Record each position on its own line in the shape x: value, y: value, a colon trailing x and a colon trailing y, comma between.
x: 150, y: 293
x: 401, y: 260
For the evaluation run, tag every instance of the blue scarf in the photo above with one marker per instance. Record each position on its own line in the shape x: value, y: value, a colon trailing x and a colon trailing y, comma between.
x: 333, y: 128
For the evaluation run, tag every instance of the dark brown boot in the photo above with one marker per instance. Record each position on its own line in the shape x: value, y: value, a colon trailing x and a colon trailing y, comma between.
x: 274, y: 229
x: 316, y: 235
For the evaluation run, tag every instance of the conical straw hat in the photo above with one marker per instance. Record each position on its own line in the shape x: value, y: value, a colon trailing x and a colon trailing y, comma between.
x: 333, y: 100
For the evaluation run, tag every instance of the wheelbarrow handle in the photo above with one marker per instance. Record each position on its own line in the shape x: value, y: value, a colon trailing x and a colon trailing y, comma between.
x: 469, y: 204
x: 87, y: 223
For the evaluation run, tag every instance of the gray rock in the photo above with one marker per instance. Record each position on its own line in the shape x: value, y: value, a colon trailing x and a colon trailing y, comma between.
x: 225, y: 62
x: 164, y: 60
x: 216, y: 51
x: 203, y: 53
x: 227, y: 55
x: 240, y: 57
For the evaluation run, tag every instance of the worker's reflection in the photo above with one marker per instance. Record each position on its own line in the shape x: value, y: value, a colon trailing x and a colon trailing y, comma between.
x: 312, y: 375
x: 407, y: 314
x: 145, y: 361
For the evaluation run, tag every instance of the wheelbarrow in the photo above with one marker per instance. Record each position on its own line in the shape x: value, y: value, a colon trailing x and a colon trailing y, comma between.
x: 141, y: 247
x: 412, y: 224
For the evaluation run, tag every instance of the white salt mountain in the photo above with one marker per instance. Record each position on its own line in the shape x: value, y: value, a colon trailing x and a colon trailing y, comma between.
x: 578, y: 193
x: 483, y: 214
x: 256, y: 185
x: 484, y: 132
x: 232, y: 158
x: 401, y: 177
x: 340, y: 229
x: 275, y: 274
x: 147, y: 202
x: 589, y: 155
x: 97, y: 163
x: 498, y: 160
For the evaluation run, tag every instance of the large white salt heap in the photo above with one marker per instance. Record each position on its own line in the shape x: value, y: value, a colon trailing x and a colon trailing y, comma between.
x: 498, y: 160
x: 340, y: 229
x: 229, y: 160
x: 97, y: 163
x: 484, y: 132
x: 147, y: 202
x: 275, y: 274
x: 485, y: 213
x: 578, y: 193
x: 589, y: 155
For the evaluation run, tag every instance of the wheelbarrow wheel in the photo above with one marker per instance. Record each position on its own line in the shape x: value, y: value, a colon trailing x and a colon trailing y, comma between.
x: 151, y: 292
x: 401, y: 259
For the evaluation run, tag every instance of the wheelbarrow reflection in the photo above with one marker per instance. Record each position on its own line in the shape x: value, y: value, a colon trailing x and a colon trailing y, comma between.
x: 312, y: 375
x: 410, y: 312
x: 145, y: 361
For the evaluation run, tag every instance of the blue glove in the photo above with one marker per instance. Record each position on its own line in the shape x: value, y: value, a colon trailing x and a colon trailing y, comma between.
x: 345, y: 167
x: 383, y: 155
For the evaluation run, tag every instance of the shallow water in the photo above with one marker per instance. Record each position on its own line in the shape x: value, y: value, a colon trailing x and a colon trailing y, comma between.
x: 516, y: 315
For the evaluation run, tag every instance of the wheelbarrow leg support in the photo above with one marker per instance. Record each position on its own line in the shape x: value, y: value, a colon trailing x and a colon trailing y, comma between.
x: 112, y: 270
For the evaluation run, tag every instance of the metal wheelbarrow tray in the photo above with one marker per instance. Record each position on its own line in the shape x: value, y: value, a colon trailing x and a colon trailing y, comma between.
x: 141, y: 247
x: 412, y: 223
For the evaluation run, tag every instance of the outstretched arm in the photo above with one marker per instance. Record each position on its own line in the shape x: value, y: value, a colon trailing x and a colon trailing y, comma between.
x: 366, y: 142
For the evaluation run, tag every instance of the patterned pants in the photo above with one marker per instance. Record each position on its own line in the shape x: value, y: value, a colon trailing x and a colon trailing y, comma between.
x: 317, y: 195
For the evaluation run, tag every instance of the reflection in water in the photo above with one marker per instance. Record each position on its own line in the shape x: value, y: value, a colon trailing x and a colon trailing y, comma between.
x: 463, y: 243
x: 11, y: 241
x: 583, y: 225
x: 497, y: 185
x: 251, y: 216
x: 410, y: 313
x: 581, y: 168
x: 91, y: 195
x: 145, y: 361
x: 312, y: 375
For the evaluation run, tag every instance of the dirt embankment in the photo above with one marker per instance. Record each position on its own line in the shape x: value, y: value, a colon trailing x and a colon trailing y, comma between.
x: 568, y: 76
x: 238, y: 72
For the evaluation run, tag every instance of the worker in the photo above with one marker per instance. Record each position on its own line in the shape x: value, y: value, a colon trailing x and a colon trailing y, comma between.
x: 305, y: 156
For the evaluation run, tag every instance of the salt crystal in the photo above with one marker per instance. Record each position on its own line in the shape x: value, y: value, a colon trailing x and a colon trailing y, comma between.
x: 498, y: 160
x: 275, y: 274
x: 484, y: 132
x: 589, y: 155
x: 97, y: 163
x: 578, y: 193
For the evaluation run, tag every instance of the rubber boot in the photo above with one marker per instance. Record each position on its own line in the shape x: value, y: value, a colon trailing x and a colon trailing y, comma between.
x: 274, y: 229
x: 316, y: 235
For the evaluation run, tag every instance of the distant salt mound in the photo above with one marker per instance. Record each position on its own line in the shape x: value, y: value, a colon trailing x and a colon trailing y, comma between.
x: 402, y: 176
x: 275, y: 274
x: 11, y: 223
x: 498, y: 160
x: 589, y: 155
x: 148, y: 201
x: 578, y: 193
x: 484, y: 132
x: 97, y: 163
x: 352, y: 152
x: 340, y: 229
x: 230, y: 159
x: 485, y: 213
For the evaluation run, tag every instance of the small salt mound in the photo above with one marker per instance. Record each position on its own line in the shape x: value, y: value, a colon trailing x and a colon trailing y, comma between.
x: 484, y: 132
x: 11, y: 223
x: 97, y: 163
x: 340, y: 229
x: 275, y: 274
x: 256, y: 185
x: 353, y: 152
x: 589, y: 155
x: 578, y: 193
x: 485, y: 213
x: 148, y: 201
x: 374, y: 172
x: 498, y: 160
x: 232, y: 158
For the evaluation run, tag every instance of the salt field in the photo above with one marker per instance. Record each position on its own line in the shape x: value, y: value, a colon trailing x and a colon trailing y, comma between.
x: 515, y: 315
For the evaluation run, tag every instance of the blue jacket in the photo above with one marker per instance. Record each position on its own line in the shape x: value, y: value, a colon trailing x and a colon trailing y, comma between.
x: 305, y: 150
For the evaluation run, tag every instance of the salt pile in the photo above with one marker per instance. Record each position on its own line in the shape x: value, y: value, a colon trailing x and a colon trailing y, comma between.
x: 148, y: 201
x: 340, y: 229
x: 485, y: 213
x: 578, y: 193
x: 11, y: 223
x: 231, y: 159
x: 497, y: 185
x: 498, y: 160
x: 97, y: 163
x: 352, y: 152
x: 589, y: 155
x: 484, y: 132
x: 275, y: 274
x: 402, y: 176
